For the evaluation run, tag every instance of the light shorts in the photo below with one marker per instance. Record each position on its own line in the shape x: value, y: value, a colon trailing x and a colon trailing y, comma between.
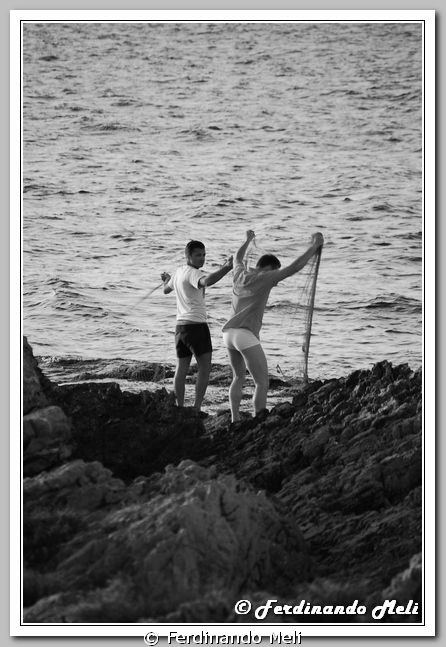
x: 239, y: 339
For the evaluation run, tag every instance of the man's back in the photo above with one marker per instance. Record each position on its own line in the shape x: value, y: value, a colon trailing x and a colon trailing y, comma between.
x: 190, y: 297
x: 250, y: 294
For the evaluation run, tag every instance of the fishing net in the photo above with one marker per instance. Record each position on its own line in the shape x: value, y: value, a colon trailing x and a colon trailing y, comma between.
x: 297, y: 316
x: 302, y: 318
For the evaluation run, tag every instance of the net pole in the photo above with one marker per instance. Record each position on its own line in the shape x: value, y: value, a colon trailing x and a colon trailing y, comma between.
x: 310, y: 315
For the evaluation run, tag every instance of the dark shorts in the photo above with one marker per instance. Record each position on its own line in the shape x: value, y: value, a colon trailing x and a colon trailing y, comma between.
x: 192, y: 339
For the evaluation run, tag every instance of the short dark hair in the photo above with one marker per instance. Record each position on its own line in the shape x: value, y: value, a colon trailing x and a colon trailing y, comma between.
x: 193, y: 244
x: 268, y: 259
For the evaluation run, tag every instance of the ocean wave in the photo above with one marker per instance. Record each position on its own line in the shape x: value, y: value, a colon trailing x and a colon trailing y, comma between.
x: 41, y: 95
x: 398, y: 303
x: 413, y: 235
x: 110, y: 127
x: 80, y: 309
x: 410, y: 259
x: 384, y: 206
x: 125, y: 103
x: 357, y: 218
x: 62, y: 283
x: 200, y: 134
x: 43, y: 189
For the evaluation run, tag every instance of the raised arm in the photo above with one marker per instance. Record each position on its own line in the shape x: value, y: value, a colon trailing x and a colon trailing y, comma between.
x: 240, y: 255
x: 316, y: 242
x: 214, y: 277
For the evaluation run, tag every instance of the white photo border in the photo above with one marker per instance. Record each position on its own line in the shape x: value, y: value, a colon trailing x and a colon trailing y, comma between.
x: 427, y: 18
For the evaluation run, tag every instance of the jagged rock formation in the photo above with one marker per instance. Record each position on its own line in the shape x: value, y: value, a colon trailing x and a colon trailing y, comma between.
x: 46, y: 429
x: 200, y: 529
x: 159, y: 516
x: 35, y: 385
x: 345, y: 458
x: 133, y: 434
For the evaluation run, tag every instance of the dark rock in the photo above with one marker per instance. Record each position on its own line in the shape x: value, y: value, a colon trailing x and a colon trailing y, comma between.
x: 300, y: 399
x: 131, y: 433
x: 77, y: 485
x: 343, y: 469
x: 202, y: 533
x: 319, y: 499
x: 407, y: 585
x: 46, y: 431
x: 35, y: 386
x: 46, y: 439
x: 284, y: 410
x: 353, y: 379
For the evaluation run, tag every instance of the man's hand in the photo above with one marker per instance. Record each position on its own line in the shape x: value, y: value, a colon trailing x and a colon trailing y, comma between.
x: 250, y: 235
x: 317, y: 239
x: 165, y: 277
x: 229, y: 263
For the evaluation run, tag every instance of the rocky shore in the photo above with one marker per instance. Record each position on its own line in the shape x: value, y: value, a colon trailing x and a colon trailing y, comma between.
x: 137, y: 511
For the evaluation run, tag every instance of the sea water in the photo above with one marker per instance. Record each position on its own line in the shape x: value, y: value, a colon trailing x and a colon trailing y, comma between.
x: 140, y: 136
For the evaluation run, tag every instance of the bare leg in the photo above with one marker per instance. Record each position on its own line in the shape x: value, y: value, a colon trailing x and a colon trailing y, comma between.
x: 179, y: 381
x: 258, y: 367
x: 204, y: 369
x: 239, y: 376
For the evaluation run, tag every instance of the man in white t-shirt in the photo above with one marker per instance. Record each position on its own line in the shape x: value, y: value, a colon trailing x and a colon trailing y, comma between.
x: 192, y: 336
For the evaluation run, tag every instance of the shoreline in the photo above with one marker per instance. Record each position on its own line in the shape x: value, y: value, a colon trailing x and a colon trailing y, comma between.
x: 135, y: 376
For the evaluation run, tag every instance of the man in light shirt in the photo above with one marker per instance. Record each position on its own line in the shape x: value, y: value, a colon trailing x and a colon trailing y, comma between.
x: 192, y: 336
x: 241, y: 333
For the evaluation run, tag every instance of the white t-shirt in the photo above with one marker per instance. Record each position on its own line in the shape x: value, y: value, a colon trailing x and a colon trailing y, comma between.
x: 190, y: 297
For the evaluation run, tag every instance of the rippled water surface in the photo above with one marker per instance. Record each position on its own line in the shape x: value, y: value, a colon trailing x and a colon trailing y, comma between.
x: 138, y: 137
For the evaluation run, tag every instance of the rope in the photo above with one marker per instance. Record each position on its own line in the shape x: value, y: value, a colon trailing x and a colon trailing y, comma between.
x: 147, y: 294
